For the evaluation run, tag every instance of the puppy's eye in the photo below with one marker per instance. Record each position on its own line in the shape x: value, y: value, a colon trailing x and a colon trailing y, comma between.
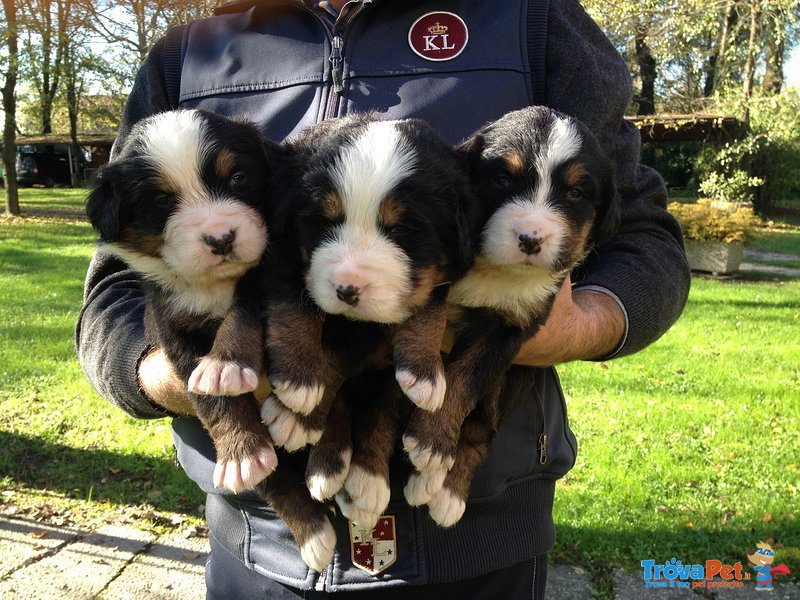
x: 237, y: 178
x: 502, y: 181
x: 575, y: 193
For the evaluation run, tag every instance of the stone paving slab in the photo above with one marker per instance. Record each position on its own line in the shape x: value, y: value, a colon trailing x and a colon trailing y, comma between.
x: 630, y: 586
x: 171, y: 569
x: 81, y: 569
x: 566, y: 582
x: 23, y: 541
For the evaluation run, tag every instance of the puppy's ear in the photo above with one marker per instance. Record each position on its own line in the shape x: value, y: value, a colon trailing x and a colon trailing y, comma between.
x: 282, y: 165
x: 609, y: 212
x: 470, y: 151
x: 103, y: 205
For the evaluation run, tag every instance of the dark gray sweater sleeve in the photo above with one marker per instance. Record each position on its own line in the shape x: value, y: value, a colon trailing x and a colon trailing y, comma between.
x: 644, y: 265
x: 110, y: 331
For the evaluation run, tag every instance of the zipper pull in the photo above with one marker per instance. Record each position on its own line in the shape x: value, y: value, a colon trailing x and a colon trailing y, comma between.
x: 543, y: 448
x: 336, y: 61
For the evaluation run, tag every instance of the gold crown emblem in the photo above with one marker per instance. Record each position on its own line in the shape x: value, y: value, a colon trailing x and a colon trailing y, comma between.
x: 437, y: 29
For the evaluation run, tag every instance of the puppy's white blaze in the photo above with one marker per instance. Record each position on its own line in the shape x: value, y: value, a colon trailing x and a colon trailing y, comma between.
x: 563, y: 143
x: 178, y: 143
x: 369, y: 169
x: 369, y: 261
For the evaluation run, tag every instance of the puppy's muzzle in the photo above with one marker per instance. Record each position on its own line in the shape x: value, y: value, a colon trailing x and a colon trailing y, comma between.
x: 348, y: 295
x: 530, y: 244
x: 222, y: 245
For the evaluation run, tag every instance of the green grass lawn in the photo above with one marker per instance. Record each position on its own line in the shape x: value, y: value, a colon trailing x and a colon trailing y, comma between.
x: 690, y: 449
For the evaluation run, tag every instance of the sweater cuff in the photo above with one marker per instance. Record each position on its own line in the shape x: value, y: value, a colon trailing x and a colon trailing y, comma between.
x: 615, y: 298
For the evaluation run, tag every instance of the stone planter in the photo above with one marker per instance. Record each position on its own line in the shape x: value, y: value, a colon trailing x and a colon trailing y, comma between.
x: 718, y: 258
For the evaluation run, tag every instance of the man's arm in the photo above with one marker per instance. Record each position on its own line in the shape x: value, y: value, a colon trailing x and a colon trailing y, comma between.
x: 110, y: 335
x: 633, y: 288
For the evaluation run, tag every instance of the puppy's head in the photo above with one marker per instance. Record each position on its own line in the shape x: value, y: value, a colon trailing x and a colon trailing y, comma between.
x: 382, y: 216
x: 184, y: 197
x: 546, y: 188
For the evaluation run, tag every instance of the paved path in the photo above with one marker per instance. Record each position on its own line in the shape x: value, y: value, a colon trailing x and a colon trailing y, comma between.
x: 120, y: 562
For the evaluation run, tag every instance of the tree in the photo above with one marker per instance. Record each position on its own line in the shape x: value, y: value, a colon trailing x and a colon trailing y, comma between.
x: 10, y: 107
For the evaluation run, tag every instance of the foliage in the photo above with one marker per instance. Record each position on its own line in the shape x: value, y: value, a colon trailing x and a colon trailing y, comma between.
x: 763, y: 167
x: 689, y: 448
x: 708, y: 220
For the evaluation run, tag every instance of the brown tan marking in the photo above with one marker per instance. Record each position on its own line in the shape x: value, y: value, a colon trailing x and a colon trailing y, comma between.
x: 331, y: 206
x: 225, y: 163
x: 428, y: 278
x: 391, y: 211
x: 515, y: 162
x: 574, y: 174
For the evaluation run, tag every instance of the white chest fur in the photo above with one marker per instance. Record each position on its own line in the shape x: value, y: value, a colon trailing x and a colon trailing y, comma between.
x: 521, y: 291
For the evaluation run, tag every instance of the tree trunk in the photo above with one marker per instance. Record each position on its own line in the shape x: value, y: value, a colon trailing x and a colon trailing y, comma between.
x: 10, y: 110
x: 729, y: 20
x: 775, y: 49
x: 647, y: 71
x: 750, y: 62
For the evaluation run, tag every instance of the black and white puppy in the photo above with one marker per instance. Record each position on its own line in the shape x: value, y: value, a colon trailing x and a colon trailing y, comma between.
x: 547, y: 193
x: 382, y: 215
x: 183, y: 203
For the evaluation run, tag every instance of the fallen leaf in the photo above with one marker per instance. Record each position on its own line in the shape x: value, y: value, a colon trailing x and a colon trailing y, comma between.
x: 38, y: 535
x: 114, y: 470
x: 767, y: 518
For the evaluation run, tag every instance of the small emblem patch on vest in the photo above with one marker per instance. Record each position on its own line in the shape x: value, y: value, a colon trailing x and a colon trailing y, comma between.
x: 374, y: 550
x: 438, y: 36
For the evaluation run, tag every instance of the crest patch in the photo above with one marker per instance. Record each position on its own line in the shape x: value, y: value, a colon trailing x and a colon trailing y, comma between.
x: 374, y: 550
x: 438, y: 36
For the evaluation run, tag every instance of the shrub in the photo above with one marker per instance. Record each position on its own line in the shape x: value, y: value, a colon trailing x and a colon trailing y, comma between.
x: 710, y: 220
x: 764, y: 166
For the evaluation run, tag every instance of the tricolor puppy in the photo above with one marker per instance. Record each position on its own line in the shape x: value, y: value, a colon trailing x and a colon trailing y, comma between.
x: 548, y: 195
x: 183, y: 203
x: 384, y: 219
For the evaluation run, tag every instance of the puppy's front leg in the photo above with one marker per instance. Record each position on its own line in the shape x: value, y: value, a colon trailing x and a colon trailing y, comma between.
x: 286, y: 492
x: 380, y: 410
x: 296, y: 359
x: 484, y: 348
x: 417, y: 356
x: 236, y: 359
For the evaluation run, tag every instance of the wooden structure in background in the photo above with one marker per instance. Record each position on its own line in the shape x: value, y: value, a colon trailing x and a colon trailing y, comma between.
x: 717, y: 129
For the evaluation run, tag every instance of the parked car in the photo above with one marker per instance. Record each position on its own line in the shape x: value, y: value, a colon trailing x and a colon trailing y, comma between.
x: 47, y: 166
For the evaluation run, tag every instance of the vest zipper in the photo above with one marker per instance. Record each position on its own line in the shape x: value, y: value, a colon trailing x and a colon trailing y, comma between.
x: 542, y: 443
x: 336, y: 37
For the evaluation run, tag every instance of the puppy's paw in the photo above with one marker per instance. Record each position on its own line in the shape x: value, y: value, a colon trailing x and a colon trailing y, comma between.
x: 299, y: 398
x: 426, y: 393
x: 424, y: 457
x: 246, y: 473
x: 362, y: 518
x: 421, y: 487
x: 317, y: 551
x: 324, y: 485
x: 214, y: 377
x: 285, y: 427
x: 446, y: 507
x: 368, y: 492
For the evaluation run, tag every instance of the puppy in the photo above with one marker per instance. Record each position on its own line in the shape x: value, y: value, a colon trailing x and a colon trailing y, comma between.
x: 547, y: 194
x: 382, y: 216
x: 183, y: 203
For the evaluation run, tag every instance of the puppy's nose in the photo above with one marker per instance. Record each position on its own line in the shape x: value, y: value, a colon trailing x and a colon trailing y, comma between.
x: 348, y: 295
x: 220, y: 245
x: 530, y: 244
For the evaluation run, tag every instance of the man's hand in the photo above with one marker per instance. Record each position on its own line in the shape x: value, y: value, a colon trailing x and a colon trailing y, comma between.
x: 582, y: 325
x: 160, y: 382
